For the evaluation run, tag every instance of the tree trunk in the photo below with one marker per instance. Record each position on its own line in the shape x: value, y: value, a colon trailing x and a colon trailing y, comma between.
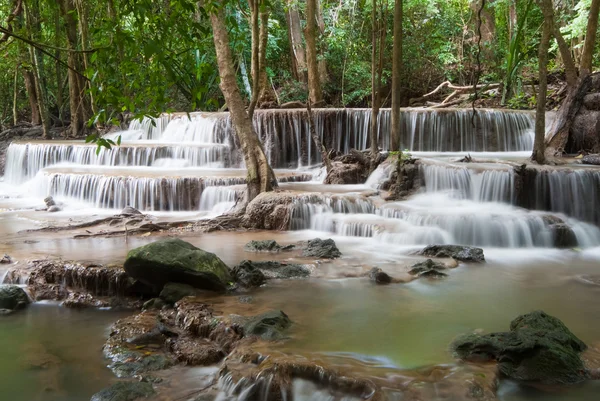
x: 16, y: 96
x: 29, y: 79
x: 310, y: 34
x: 323, y: 76
x: 295, y: 36
x: 76, y: 106
x: 260, y: 177
x: 565, y: 53
x: 57, y: 66
x: 82, y: 12
x: 313, y: 133
x: 267, y: 94
x: 375, y: 81
x: 255, y: 61
x: 590, y: 39
x: 540, y: 113
x: 396, y: 77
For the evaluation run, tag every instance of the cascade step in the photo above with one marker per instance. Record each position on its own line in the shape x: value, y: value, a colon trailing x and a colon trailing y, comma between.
x: 144, y: 188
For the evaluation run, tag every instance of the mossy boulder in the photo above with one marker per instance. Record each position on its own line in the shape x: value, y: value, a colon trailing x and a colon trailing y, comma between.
x: 538, y: 348
x: 277, y: 270
x: 428, y: 268
x: 267, y: 245
x: 177, y: 261
x: 124, y: 391
x: 12, y: 297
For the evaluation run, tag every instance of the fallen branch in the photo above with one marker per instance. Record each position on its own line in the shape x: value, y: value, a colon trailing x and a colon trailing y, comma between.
x: 444, y: 105
x: 455, y: 88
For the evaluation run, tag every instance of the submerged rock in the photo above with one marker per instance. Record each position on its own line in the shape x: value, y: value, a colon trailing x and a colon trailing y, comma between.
x: 12, y: 298
x: 248, y: 275
x: 268, y: 326
x: 564, y: 236
x: 268, y: 245
x: 379, y: 276
x: 319, y: 248
x: 124, y: 391
x: 428, y: 268
x: 279, y: 270
x: 77, y: 300
x: 538, y: 348
x: 174, y: 260
x: 54, y: 209
x: 173, y: 292
x: 6, y: 259
x: 458, y: 252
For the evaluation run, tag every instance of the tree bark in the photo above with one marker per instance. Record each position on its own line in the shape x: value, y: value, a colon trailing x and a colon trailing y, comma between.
x: 396, y: 77
x: 310, y: 34
x: 260, y: 176
x: 590, y: 39
x: 16, y: 96
x: 313, y: 133
x: 295, y: 36
x: 539, y: 145
x: 82, y: 12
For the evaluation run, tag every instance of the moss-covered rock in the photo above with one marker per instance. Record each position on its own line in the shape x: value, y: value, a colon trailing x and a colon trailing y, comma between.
x: 174, y: 260
x: 267, y: 245
x: 12, y: 297
x: 124, y: 391
x: 538, y: 348
x: 276, y: 270
x: 428, y: 268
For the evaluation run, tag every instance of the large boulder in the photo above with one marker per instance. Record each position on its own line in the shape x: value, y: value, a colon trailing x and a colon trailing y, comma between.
x: 124, y: 391
x: 269, y: 211
x: 12, y: 297
x: 319, y: 248
x: 458, y: 252
x: 538, y: 348
x: 177, y: 261
x: 593, y: 159
x: 344, y: 174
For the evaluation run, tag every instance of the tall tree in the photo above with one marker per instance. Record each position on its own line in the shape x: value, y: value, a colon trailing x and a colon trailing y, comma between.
x: 315, y: 91
x: 590, y: 39
x: 260, y: 176
x: 377, y: 43
x: 396, y: 77
x: 299, y: 66
x: 539, y: 145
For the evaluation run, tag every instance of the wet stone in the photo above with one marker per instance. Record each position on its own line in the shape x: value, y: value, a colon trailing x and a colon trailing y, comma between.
x: 248, y: 275
x: 13, y: 297
x: 428, y: 268
x: 124, y: 391
x: 268, y: 326
x: 6, y: 259
x: 458, y: 252
x: 266, y: 246
x: 319, y: 248
x: 378, y: 276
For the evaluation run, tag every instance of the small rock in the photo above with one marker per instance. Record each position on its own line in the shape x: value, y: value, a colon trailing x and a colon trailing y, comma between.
x: 563, y: 235
x: 6, y: 259
x: 77, y: 300
x: 319, y: 248
x: 13, y: 297
x: 245, y: 299
x: 53, y: 209
x: 173, y: 292
x: 130, y: 211
x: 154, y: 303
x: 458, y: 252
x: 428, y: 268
x: 124, y: 391
x: 49, y: 201
x: 379, y: 276
x: 247, y: 275
x: 268, y: 326
x: 268, y: 245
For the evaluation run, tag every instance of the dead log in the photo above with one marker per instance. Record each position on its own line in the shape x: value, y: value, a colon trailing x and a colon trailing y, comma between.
x: 456, y: 91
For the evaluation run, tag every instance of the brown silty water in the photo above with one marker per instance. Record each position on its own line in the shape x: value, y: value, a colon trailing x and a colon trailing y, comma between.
x: 189, y: 169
